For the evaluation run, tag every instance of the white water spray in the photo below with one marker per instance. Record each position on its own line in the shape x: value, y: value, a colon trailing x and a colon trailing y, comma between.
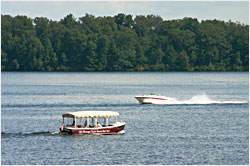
x: 202, y: 99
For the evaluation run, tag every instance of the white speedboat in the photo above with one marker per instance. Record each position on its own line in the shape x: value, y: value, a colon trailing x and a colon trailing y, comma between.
x: 154, y: 99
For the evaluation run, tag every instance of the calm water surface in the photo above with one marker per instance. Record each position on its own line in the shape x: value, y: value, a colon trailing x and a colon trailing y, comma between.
x: 208, y: 123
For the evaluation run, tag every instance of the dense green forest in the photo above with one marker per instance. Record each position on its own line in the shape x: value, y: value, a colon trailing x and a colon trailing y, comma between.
x: 122, y: 43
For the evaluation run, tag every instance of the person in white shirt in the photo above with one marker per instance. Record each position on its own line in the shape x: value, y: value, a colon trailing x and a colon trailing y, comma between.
x: 98, y: 124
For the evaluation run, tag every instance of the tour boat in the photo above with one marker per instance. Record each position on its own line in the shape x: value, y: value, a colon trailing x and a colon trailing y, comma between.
x: 79, y: 123
x: 154, y: 99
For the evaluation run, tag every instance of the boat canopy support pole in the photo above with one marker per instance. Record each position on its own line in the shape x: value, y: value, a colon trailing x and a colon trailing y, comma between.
x: 87, y: 122
x: 106, y: 121
x: 93, y: 121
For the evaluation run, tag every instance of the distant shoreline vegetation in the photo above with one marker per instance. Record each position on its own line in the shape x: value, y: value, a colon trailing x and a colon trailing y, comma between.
x: 122, y: 43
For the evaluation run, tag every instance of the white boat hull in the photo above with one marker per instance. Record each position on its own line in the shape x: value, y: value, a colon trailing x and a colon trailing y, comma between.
x: 154, y: 99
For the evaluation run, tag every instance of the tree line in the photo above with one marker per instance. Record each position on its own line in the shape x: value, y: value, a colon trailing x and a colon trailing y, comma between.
x: 122, y: 43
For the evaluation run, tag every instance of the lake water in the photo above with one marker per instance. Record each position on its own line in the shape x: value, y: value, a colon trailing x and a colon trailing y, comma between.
x: 207, y: 124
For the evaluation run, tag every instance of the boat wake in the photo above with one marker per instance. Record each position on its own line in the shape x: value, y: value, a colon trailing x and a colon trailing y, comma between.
x: 202, y: 99
x: 4, y: 134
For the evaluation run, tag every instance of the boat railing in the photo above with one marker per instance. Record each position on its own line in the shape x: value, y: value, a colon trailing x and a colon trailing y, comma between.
x: 90, y: 126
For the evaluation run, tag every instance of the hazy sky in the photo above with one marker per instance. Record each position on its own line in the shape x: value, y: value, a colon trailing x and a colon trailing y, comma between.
x: 203, y: 10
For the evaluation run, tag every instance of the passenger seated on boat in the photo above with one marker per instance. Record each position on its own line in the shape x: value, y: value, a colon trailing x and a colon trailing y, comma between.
x: 85, y: 123
x: 98, y: 124
x: 73, y: 124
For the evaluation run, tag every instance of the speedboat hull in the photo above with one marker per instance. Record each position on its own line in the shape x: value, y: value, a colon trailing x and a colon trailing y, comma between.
x: 153, y: 99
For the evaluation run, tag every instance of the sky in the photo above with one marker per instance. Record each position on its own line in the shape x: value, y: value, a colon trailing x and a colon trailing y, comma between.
x: 236, y: 11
